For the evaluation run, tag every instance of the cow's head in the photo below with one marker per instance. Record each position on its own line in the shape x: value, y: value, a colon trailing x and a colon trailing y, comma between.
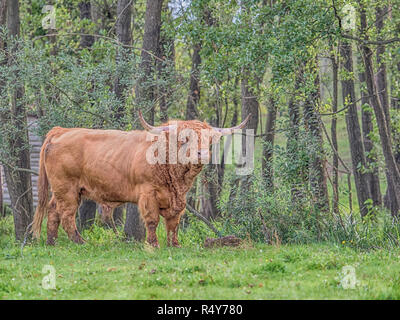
x: 193, y: 138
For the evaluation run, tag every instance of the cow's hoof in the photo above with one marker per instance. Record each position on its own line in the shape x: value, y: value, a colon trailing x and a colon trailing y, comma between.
x: 77, y: 238
x: 51, y: 242
x: 154, y: 245
x: 79, y: 241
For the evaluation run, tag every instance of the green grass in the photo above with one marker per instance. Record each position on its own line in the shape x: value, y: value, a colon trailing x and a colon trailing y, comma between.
x: 109, y: 268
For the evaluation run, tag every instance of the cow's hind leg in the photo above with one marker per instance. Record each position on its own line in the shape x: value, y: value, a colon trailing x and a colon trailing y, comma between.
x: 172, y: 225
x: 149, y: 210
x: 67, y: 206
x: 53, y: 222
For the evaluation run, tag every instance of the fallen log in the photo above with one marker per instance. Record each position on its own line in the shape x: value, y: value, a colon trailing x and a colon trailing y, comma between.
x: 228, y: 241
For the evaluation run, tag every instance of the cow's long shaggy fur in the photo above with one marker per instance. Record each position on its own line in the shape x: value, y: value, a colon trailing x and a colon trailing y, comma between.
x: 179, y: 177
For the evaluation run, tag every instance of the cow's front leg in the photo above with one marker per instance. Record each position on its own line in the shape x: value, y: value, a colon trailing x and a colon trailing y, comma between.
x: 172, y: 225
x: 148, y: 207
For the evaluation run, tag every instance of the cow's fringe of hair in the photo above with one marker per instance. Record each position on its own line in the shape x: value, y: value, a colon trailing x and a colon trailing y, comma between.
x: 43, y: 185
x: 177, y: 176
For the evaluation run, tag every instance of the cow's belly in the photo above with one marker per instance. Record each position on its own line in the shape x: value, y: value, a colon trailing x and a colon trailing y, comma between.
x: 110, y: 194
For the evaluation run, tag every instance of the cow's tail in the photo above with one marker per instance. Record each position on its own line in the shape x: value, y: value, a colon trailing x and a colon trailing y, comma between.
x: 43, y: 195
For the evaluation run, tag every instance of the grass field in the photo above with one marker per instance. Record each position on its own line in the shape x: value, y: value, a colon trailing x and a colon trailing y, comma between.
x: 108, y: 268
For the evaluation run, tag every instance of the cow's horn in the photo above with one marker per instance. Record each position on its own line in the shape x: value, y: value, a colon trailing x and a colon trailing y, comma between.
x: 228, y: 131
x: 149, y: 127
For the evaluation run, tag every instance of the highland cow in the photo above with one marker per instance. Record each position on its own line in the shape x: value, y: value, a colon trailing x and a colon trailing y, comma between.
x: 111, y: 167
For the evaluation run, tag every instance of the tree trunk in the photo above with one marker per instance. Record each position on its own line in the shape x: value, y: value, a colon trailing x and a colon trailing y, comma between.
x: 368, y: 128
x: 85, y: 14
x: 210, y: 181
x: 382, y: 86
x: 145, y: 89
x: 134, y: 226
x: 250, y: 105
x: 268, y: 147
x: 1, y: 196
x: 87, y: 214
x: 95, y: 12
x: 18, y: 182
x: 3, y: 21
x: 145, y: 92
x: 194, y: 89
x: 165, y: 67
x: 317, y: 173
x: 395, y: 99
x: 335, y: 159
x: 299, y: 175
x: 250, y: 102
x: 392, y: 170
x: 118, y: 216
x: 87, y: 210
x: 210, y: 196
x: 124, y: 36
x: 390, y: 203
x: 353, y: 129
x: 123, y: 28
x: 191, y: 105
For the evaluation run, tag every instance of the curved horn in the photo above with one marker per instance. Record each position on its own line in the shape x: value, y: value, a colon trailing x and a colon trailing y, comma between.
x: 149, y: 127
x: 228, y: 131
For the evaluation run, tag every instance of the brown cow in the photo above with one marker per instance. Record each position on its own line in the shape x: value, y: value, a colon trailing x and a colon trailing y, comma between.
x: 111, y: 168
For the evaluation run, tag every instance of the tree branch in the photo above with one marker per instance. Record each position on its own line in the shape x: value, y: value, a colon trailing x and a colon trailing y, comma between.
x: 202, y: 218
